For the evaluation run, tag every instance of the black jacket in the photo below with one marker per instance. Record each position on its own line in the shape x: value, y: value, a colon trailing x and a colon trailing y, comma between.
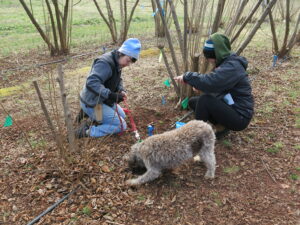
x: 230, y: 77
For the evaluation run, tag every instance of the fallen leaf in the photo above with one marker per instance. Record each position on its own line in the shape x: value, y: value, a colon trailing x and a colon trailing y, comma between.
x: 105, y: 169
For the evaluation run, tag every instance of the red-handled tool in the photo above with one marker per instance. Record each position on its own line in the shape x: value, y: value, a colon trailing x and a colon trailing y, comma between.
x: 132, y: 123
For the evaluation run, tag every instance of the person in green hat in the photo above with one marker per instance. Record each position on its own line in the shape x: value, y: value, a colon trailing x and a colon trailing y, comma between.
x: 227, y: 98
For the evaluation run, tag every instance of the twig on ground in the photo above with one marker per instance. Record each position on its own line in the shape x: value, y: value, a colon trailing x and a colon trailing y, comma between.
x: 265, y: 166
x: 111, y: 222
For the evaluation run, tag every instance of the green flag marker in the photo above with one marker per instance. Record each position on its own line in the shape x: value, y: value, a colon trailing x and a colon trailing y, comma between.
x: 8, y: 121
x: 167, y: 83
x: 184, y: 103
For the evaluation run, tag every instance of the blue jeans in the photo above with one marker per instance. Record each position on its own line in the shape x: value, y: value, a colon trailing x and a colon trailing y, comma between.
x: 110, y: 123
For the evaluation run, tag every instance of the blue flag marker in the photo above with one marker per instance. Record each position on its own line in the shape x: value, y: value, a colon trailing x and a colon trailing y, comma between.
x: 275, y: 57
x: 179, y: 124
x: 163, y: 100
x: 150, y: 129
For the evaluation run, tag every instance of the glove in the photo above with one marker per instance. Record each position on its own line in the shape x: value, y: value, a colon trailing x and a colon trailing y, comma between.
x: 116, y: 97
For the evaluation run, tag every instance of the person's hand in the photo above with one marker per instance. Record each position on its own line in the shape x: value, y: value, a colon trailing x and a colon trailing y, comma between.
x: 124, y: 94
x: 116, y: 97
x: 179, y: 79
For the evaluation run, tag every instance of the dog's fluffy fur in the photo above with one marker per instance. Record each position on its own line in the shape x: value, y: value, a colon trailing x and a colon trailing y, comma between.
x: 168, y: 150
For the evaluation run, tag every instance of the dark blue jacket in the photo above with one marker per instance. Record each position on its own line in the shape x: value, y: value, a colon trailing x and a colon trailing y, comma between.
x: 104, y: 78
x: 230, y: 77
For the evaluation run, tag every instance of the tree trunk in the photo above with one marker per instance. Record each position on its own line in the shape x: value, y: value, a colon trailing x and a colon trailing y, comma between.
x: 112, y: 33
x: 287, y: 24
x: 49, y: 121
x: 171, y: 75
x: 67, y: 113
x: 52, y: 26
x: 128, y: 21
x: 177, y: 26
x: 273, y: 30
x: 218, y: 16
x: 293, y: 40
x: 168, y: 36
x: 37, y: 26
x: 59, y: 27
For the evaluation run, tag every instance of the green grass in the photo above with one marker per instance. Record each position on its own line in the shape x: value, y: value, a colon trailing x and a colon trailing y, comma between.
x: 232, y: 169
x: 18, y: 34
x: 276, y: 147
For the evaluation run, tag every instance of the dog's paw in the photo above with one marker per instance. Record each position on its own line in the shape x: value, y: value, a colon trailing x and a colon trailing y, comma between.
x: 131, y: 182
x: 197, y: 158
x: 209, y: 175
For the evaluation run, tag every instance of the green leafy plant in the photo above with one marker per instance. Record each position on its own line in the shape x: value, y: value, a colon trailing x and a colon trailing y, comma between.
x: 86, y: 211
x: 294, y: 176
x: 227, y: 143
x: 276, y: 147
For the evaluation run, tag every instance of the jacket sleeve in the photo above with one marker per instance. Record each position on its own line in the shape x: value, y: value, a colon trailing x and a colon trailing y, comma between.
x: 99, y: 73
x: 221, y: 79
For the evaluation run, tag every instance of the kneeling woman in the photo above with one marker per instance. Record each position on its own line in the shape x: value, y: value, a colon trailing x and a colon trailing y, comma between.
x: 227, y: 98
x: 104, y: 89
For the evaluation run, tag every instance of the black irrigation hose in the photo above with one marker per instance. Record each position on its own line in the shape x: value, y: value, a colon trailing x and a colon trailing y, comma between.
x: 53, y: 62
x: 36, y: 219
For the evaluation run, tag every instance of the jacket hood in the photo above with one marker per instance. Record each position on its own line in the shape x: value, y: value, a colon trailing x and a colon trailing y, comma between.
x: 242, y: 60
x: 222, y: 47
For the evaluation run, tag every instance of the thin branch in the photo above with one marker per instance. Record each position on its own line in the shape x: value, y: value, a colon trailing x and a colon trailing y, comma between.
x: 106, y: 21
x: 257, y: 25
x: 247, y: 20
x: 266, y: 168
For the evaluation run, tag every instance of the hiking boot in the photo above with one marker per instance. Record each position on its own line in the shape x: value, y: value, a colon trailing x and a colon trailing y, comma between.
x: 80, y: 116
x: 222, y: 133
x: 81, y: 132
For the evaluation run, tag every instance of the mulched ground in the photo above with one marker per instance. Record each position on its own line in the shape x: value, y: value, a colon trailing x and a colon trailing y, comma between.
x: 256, y: 178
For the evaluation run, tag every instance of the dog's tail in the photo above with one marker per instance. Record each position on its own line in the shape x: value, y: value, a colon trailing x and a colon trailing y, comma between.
x: 206, y: 135
x: 208, y: 138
